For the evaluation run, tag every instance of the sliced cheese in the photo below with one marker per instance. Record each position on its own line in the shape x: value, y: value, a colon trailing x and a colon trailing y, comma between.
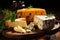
x: 19, y: 29
x: 21, y: 22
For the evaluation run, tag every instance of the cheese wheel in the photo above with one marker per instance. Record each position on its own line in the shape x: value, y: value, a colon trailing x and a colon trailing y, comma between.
x: 30, y: 13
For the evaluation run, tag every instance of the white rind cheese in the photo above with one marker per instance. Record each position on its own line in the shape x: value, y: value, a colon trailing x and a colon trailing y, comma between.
x: 43, y: 22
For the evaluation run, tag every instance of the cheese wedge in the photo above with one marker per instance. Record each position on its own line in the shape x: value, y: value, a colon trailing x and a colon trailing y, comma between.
x: 44, y: 22
x: 21, y: 22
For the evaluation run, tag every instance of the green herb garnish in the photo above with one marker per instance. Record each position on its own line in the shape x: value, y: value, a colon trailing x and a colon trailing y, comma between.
x: 50, y: 14
x: 6, y: 15
x: 30, y: 6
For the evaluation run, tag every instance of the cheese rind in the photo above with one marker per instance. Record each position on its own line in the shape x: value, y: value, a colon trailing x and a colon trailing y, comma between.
x: 30, y: 13
x: 44, y: 22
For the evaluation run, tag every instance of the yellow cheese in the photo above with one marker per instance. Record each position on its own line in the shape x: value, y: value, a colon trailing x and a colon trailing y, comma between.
x: 21, y: 22
x: 19, y: 29
x: 30, y: 13
x: 28, y: 31
x: 8, y: 23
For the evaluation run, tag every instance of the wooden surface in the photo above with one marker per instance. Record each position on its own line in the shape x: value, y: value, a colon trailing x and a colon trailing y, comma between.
x: 15, y: 35
x: 42, y: 35
x: 35, y: 35
x: 58, y: 35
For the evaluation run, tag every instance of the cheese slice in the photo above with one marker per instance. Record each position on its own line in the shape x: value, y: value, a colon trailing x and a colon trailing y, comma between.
x: 21, y: 22
x: 19, y: 29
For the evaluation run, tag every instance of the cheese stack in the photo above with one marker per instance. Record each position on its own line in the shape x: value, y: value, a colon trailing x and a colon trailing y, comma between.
x: 44, y: 22
x: 30, y: 13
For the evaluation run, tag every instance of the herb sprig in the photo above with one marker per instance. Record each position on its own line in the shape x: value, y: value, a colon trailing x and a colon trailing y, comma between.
x: 6, y: 15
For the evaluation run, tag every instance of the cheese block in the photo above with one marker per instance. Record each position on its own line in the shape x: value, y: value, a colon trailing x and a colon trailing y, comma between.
x: 29, y: 13
x: 19, y: 29
x: 21, y: 22
x: 44, y: 22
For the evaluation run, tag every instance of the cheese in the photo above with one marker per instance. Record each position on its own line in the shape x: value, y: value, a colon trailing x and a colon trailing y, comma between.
x: 44, y: 22
x: 8, y: 23
x: 30, y: 26
x: 21, y: 22
x: 28, y: 31
x: 30, y: 13
x: 19, y: 29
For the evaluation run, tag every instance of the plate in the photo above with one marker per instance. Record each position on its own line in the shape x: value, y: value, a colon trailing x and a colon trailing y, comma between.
x: 22, y: 36
x: 56, y: 26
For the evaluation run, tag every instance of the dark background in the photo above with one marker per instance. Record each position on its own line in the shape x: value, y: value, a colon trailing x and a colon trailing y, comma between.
x: 50, y: 4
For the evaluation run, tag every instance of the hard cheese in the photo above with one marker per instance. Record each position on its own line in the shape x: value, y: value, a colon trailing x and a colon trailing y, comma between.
x: 21, y: 22
x: 18, y: 22
x: 19, y: 29
x: 29, y: 13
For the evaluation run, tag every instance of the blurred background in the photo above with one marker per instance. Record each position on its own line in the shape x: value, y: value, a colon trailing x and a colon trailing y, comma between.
x: 47, y: 4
